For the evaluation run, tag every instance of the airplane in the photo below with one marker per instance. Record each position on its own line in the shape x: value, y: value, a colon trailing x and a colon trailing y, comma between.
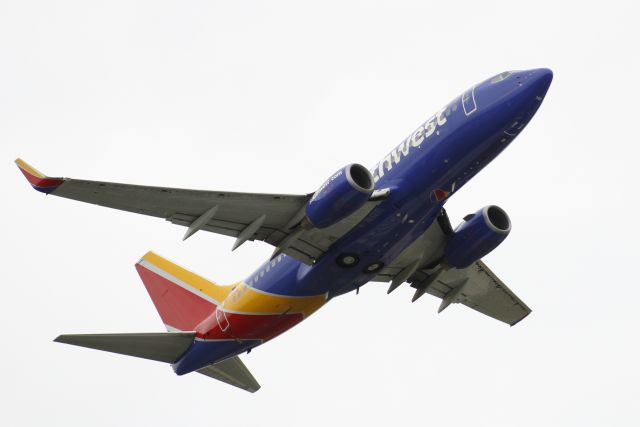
x: 384, y: 224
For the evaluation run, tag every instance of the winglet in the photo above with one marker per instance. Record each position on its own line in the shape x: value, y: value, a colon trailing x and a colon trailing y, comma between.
x: 38, y: 180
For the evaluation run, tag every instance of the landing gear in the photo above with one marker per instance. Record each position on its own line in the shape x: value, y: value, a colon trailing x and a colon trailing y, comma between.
x: 347, y: 260
x: 373, y: 268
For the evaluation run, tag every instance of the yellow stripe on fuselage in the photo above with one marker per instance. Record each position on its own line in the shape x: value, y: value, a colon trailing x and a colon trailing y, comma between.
x: 245, y: 299
x: 217, y: 292
x: 239, y: 297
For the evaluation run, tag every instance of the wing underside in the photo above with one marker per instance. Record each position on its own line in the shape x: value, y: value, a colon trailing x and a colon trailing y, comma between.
x: 271, y: 218
x: 476, y: 286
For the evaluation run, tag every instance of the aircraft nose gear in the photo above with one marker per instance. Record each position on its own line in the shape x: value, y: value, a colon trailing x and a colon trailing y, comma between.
x: 347, y: 260
x: 375, y: 267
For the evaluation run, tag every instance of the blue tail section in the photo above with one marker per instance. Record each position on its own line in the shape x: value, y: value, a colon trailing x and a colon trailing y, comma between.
x: 205, y: 352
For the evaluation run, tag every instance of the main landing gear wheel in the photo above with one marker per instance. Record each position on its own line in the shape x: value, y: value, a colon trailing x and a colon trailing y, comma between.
x: 347, y: 260
x: 374, y: 268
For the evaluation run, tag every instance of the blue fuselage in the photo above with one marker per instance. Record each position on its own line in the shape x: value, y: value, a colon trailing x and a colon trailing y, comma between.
x: 422, y: 172
x: 428, y: 166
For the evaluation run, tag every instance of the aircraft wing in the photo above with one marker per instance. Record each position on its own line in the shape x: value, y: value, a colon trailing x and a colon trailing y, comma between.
x: 245, y: 216
x: 476, y: 286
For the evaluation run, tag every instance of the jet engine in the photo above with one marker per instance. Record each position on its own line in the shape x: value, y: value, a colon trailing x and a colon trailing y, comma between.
x: 342, y: 194
x: 478, y: 235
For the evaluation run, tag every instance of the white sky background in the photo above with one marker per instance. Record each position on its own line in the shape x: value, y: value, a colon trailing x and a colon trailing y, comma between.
x: 274, y: 97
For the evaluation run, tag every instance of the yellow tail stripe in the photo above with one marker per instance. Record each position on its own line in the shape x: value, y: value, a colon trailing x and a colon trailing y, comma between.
x: 217, y: 292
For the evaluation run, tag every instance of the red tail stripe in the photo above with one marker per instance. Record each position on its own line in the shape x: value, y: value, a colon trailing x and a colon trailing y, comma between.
x: 178, y: 307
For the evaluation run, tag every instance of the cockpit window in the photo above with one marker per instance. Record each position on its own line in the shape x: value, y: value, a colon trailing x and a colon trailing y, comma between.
x: 500, y: 77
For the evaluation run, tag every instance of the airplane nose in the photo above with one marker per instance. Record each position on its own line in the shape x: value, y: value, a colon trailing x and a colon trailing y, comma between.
x: 541, y: 79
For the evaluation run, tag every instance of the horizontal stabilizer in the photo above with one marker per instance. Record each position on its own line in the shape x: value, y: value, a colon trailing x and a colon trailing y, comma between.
x: 163, y: 347
x: 232, y: 371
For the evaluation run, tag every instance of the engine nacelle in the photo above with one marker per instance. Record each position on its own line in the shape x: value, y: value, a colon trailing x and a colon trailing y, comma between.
x: 341, y: 195
x: 481, y: 233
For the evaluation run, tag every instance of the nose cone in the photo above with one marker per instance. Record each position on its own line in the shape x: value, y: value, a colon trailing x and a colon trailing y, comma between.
x: 527, y: 89
x: 516, y: 99
x: 541, y: 79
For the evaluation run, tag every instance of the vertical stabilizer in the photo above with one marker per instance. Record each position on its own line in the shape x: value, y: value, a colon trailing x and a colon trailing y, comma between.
x: 183, y: 299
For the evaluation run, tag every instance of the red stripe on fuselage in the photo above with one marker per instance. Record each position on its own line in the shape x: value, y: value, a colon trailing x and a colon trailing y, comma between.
x: 178, y: 307
x: 249, y: 326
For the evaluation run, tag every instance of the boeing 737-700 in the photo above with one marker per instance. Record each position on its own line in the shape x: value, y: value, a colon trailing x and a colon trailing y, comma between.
x: 384, y: 224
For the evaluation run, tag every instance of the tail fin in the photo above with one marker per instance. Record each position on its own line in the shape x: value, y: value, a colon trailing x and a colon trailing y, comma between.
x: 183, y: 299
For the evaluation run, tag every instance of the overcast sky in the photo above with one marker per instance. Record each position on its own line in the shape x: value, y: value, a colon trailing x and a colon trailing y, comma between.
x: 274, y: 97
